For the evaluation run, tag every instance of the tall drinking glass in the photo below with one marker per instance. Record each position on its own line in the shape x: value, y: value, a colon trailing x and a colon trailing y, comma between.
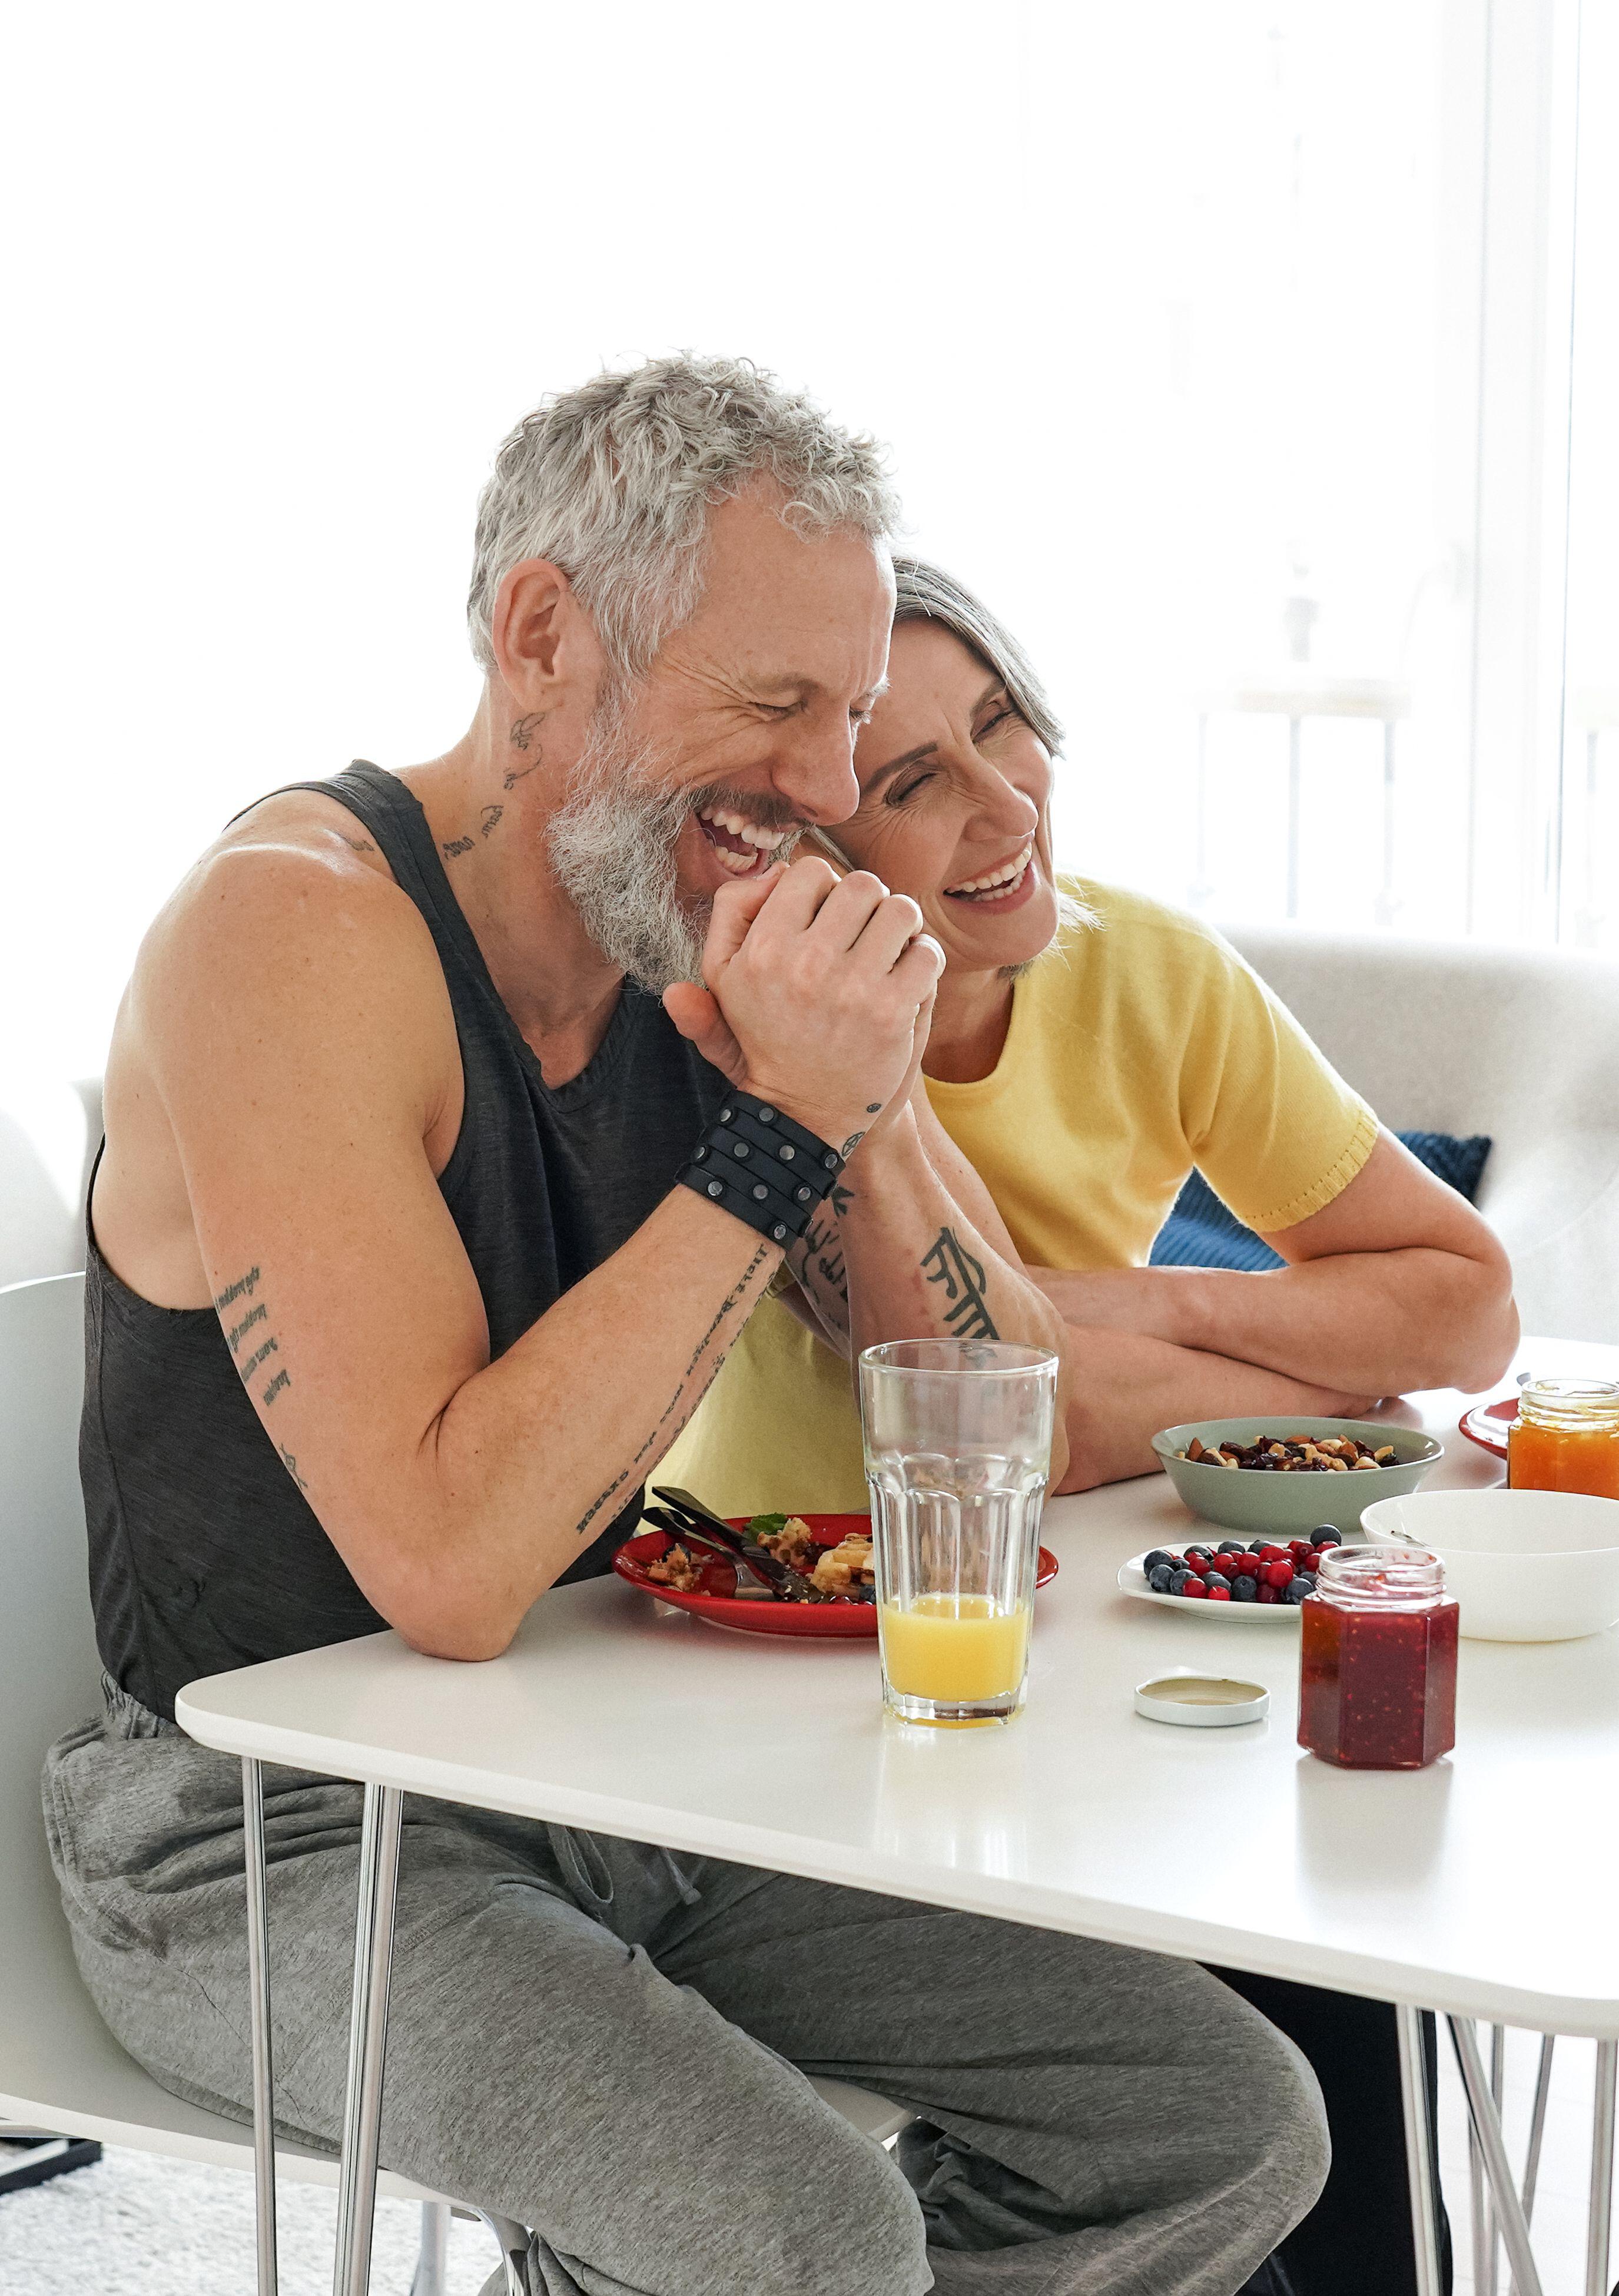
x: 957, y: 1441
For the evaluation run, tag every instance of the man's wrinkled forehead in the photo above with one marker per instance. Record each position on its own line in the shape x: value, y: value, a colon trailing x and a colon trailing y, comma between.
x: 795, y: 616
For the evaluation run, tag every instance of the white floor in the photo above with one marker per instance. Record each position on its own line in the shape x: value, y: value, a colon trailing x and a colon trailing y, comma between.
x: 139, y: 2226
x: 133, y: 2225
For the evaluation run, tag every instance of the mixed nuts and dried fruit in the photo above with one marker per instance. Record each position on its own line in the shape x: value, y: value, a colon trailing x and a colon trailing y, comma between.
x: 1292, y: 1454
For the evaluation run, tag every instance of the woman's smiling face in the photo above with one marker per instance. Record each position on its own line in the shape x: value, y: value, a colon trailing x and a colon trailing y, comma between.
x: 954, y: 797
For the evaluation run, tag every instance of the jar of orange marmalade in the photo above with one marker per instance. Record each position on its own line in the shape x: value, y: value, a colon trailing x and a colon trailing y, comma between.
x: 1566, y: 1438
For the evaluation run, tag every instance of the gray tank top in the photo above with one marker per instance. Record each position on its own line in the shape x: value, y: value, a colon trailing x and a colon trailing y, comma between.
x: 204, y: 1553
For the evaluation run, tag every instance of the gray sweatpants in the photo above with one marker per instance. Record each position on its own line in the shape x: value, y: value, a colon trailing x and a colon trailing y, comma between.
x: 608, y: 2045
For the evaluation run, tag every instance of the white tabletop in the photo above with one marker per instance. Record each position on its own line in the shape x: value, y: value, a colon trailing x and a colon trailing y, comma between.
x: 1485, y: 1884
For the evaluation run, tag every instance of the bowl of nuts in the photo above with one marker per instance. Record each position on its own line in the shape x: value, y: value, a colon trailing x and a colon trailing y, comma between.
x: 1271, y: 1476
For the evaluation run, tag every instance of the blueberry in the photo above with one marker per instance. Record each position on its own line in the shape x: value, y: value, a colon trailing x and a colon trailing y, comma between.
x: 1258, y: 1546
x: 1304, y: 1579
x: 1324, y: 1535
x: 1177, y: 1582
x: 1158, y: 1556
x: 1158, y: 1577
x: 1230, y: 1546
x: 1296, y: 1590
x: 1244, y: 1590
x: 1204, y: 1551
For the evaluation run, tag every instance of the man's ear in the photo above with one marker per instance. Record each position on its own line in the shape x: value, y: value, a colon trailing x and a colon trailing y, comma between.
x: 543, y: 640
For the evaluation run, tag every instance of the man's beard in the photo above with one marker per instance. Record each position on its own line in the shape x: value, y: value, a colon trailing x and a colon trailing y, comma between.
x: 612, y: 847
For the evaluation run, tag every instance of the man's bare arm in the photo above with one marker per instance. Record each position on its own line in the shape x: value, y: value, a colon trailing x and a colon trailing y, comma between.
x: 282, y: 1009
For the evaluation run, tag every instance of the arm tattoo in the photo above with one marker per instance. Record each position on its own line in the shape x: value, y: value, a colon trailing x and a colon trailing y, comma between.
x: 947, y: 1261
x: 264, y: 1345
x: 662, y: 1434
x: 817, y: 1262
x: 851, y: 1143
x: 455, y: 846
x: 491, y: 814
x: 358, y: 844
x: 291, y: 1464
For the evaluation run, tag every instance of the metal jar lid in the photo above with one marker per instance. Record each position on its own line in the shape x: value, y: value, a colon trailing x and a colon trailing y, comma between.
x: 1201, y: 1701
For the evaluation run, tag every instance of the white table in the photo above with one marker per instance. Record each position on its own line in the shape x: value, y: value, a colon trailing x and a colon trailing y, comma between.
x: 1484, y: 1886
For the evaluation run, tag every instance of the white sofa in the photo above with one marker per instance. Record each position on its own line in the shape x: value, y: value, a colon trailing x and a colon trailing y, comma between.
x: 1521, y: 1044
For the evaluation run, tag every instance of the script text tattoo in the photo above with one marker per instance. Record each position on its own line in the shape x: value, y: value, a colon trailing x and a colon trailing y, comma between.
x: 248, y: 1337
x: 662, y: 1434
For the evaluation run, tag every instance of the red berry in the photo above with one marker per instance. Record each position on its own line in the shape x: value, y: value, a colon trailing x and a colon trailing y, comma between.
x: 1227, y: 1565
x: 1278, y: 1574
x: 1297, y: 1548
x: 1313, y: 1561
x: 1194, y: 1586
x: 1199, y: 1563
x: 1266, y: 1594
x: 1221, y: 1593
x: 1272, y: 1553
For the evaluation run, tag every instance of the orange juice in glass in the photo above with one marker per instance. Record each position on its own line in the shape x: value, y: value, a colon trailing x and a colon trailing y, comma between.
x: 958, y: 1446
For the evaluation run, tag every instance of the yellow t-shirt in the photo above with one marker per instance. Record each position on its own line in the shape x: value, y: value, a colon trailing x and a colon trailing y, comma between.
x: 1138, y: 1046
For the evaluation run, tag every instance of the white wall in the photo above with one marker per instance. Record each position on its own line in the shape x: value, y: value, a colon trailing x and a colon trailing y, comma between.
x: 1148, y: 302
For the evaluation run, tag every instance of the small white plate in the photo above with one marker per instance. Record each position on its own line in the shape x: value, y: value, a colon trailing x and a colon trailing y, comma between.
x: 1132, y: 1580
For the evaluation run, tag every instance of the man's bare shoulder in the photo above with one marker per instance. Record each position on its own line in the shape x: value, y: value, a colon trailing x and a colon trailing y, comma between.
x: 288, y: 977
x: 295, y: 880
x: 289, y: 937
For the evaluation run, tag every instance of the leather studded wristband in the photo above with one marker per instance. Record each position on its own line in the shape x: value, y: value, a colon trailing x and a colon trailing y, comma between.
x: 760, y: 1165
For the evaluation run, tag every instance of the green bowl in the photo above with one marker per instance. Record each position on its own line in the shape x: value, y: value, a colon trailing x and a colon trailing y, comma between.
x: 1290, y: 1506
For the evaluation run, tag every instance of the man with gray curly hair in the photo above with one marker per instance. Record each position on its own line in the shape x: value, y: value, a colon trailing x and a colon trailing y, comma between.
x: 421, y: 1227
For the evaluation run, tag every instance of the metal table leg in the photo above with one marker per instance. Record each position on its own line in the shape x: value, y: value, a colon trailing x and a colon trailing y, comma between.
x: 1508, y: 2214
x: 258, y: 1999
x: 373, y: 1948
x: 432, y: 2276
x: 1419, y: 2152
x: 1601, y: 2171
x: 1537, y: 2125
x: 1489, y: 2280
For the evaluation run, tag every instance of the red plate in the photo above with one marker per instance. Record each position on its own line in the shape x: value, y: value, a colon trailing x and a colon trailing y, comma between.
x: 1488, y: 1425
x: 812, y: 1622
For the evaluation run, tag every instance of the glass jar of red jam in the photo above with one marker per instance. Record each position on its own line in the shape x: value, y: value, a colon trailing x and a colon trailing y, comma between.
x: 1378, y: 1661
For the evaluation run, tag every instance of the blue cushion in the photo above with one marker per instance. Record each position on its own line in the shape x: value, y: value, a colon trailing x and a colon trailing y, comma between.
x: 1201, y: 1233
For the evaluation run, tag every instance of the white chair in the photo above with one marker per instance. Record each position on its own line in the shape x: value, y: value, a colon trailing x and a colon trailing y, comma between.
x: 60, y: 2066
x: 49, y: 1133
x: 1520, y: 1044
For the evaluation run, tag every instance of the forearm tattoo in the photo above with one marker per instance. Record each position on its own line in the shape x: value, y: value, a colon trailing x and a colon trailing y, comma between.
x: 817, y: 1262
x: 947, y: 1261
x: 695, y: 1381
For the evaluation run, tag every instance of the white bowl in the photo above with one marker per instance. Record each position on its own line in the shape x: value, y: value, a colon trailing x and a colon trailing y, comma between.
x: 1524, y: 1566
